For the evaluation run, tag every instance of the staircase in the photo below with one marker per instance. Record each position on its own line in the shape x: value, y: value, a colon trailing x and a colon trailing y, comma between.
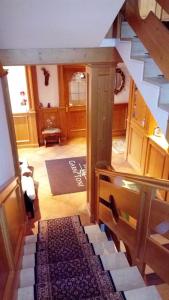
x: 146, y: 74
x: 94, y: 269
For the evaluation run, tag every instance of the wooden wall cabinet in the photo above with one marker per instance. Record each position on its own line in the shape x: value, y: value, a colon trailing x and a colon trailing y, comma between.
x: 145, y: 152
x: 156, y: 161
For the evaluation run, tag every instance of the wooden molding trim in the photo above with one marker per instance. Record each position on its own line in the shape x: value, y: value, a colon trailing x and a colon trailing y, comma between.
x: 14, y: 57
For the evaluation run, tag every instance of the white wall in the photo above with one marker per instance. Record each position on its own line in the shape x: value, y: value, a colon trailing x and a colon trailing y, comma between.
x: 50, y: 92
x: 123, y: 96
x: 6, y: 160
x: 55, y: 23
x: 17, y: 82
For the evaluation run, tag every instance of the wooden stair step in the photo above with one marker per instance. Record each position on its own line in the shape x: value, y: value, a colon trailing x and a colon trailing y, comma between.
x: 101, y: 248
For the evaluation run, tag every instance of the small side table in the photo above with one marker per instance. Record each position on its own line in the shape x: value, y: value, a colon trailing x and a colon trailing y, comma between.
x: 51, y: 135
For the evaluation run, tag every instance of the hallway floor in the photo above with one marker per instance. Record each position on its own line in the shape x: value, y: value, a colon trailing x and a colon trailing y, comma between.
x: 69, y: 204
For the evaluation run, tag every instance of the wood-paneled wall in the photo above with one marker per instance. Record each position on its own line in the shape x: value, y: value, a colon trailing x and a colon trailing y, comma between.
x: 4, y: 265
x: 148, y: 154
x: 77, y: 121
x: 12, y: 231
x: 119, y: 119
x: 70, y: 119
x: 25, y: 129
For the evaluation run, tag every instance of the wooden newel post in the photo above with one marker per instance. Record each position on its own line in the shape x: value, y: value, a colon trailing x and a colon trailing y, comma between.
x: 99, y: 123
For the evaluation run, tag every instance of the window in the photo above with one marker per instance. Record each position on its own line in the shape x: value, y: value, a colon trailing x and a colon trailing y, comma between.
x: 77, y: 89
x: 18, y: 88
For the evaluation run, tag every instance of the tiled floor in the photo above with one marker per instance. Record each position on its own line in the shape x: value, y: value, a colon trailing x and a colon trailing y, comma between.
x: 69, y: 204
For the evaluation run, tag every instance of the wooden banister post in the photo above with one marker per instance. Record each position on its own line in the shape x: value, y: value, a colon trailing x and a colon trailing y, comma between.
x: 147, y: 195
x: 99, y: 123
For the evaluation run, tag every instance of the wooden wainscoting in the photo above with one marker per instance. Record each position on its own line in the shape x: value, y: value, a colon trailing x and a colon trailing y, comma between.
x: 157, y: 164
x: 26, y: 129
x: 156, y: 161
x: 137, y: 147
x: 4, y: 265
x: 12, y: 231
x: 119, y: 119
x: 77, y: 121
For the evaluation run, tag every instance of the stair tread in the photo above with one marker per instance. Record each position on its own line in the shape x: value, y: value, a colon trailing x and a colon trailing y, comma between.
x: 104, y: 248
x: 29, y: 248
x: 157, y: 80
x: 101, y: 248
x: 149, y: 293
x: 164, y: 106
x: 92, y: 229
x: 29, y: 239
x: 26, y: 293
x: 114, y: 261
x: 27, y: 277
x: 141, y: 57
x: 28, y: 261
x: 127, y: 278
x: 96, y: 237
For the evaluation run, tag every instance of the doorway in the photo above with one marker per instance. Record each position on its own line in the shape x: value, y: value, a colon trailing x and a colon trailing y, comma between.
x: 44, y: 102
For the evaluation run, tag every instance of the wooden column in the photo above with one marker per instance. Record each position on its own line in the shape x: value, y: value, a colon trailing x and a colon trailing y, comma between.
x: 99, y: 123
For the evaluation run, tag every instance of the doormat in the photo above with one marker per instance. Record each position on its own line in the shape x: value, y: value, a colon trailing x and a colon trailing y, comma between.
x: 67, y: 175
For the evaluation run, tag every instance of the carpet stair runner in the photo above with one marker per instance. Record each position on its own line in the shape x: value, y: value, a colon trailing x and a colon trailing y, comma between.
x: 69, y: 261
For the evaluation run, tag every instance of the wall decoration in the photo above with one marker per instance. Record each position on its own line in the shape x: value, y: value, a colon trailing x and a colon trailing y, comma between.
x: 119, y: 81
x: 46, y: 75
x: 48, y: 93
x: 23, y: 99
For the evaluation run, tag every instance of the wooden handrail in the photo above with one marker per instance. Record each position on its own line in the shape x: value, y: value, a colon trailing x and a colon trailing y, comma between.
x: 153, y: 34
x: 164, y: 4
x: 136, y: 218
x: 148, y: 181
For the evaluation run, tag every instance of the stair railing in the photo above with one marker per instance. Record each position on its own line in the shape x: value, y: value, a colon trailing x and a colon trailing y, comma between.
x: 132, y: 208
x: 158, y: 7
x: 164, y: 5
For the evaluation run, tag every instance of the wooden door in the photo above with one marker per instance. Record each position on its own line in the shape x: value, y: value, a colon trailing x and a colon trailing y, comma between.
x: 72, y: 102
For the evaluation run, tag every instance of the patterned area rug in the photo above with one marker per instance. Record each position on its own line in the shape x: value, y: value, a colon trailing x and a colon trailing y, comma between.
x: 66, y: 265
x: 67, y: 175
